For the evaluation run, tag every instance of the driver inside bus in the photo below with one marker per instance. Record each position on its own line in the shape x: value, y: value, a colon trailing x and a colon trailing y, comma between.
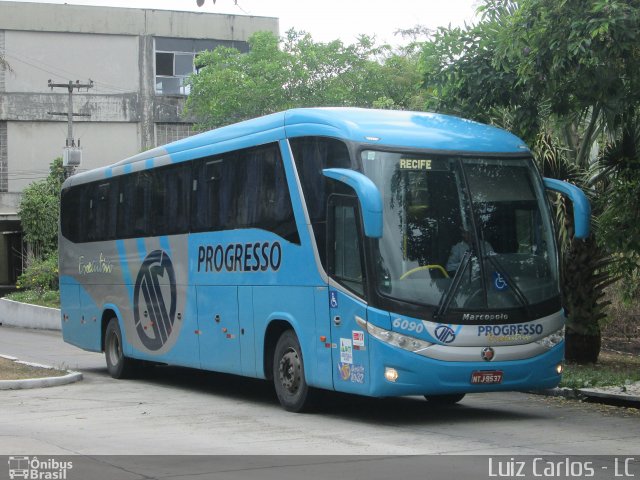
x: 460, y: 248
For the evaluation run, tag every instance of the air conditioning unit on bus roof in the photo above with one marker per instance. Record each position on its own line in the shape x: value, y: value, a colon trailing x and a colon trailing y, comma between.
x: 71, y: 157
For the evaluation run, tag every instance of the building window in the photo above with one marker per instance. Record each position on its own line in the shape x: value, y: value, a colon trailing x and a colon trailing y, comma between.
x: 172, y: 71
x: 174, y: 59
x: 170, y: 132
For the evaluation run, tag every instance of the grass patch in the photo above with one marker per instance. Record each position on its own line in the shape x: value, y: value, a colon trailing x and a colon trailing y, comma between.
x: 48, y: 298
x: 612, y: 369
x: 10, y: 370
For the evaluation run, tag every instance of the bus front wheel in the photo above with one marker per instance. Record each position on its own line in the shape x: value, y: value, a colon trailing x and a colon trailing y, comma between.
x: 288, y: 374
x: 444, y: 399
x: 118, y: 365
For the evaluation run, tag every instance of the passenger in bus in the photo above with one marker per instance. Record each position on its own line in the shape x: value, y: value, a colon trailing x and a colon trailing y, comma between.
x: 460, y: 248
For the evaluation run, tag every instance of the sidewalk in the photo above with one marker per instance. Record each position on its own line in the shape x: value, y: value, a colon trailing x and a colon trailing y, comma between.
x: 38, y: 382
x: 626, y: 396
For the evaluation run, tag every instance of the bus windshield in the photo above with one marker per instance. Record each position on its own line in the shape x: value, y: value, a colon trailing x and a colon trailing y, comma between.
x: 462, y: 233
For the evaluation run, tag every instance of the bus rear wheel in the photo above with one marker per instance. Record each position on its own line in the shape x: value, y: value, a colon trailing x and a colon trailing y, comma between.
x: 288, y: 374
x: 118, y: 365
x: 444, y: 399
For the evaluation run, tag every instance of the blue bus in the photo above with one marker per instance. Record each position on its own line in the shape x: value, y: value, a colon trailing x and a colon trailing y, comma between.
x: 379, y: 253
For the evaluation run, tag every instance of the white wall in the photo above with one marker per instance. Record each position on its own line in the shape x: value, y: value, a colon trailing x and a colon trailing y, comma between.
x: 34, y: 145
x: 130, y: 21
x: 35, y: 57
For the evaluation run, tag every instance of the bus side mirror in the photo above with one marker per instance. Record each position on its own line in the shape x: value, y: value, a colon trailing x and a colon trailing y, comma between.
x: 368, y: 196
x: 581, y: 206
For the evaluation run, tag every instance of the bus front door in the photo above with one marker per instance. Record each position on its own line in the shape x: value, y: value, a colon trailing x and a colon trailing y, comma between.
x: 350, y: 355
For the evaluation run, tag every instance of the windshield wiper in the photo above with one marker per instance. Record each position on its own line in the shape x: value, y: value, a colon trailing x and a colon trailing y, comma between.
x: 447, y: 297
x: 519, y: 294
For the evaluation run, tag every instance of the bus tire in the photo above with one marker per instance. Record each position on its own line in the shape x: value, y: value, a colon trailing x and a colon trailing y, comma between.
x: 450, y: 399
x: 288, y: 374
x: 118, y: 365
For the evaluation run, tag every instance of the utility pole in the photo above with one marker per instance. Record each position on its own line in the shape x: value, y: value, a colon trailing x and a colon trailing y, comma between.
x: 72, y: 155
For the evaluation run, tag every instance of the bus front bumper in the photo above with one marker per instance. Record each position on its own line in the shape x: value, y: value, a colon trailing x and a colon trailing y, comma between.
x: 418, y: 375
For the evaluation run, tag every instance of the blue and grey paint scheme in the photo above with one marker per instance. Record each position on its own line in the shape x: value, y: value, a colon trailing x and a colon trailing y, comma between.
x: 206, y: 300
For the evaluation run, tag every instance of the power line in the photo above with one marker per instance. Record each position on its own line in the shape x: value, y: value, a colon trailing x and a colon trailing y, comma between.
x: 22, y: 57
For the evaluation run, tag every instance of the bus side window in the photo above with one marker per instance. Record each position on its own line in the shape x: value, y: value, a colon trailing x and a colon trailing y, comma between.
x: 124, y: 227
x: 104, y: 228
x: 243, y: 189
x: 345, y: 256
x: 134, y: 205
x: 311, y: 156
x: 177, y: 182
x: 99, y: 215
x: 71, y: 222
x: 142, y: 204
x: 170, y: 200
x: 207, y: 176
x: 265, y: 202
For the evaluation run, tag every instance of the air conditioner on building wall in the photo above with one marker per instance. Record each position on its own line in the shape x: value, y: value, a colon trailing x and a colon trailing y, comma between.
x: 71, y: 157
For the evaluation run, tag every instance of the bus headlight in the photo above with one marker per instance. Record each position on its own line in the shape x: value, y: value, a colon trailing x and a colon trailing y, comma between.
x: 405, y: 342
x: 552, y: 340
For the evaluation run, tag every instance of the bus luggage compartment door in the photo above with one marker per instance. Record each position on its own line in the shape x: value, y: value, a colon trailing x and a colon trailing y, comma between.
x: 219, y: 328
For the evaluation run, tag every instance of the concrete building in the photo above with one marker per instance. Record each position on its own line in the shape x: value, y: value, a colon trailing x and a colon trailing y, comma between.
x: 137, y: 61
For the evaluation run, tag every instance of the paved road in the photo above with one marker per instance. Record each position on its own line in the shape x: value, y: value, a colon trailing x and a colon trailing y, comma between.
x: 181, y: 411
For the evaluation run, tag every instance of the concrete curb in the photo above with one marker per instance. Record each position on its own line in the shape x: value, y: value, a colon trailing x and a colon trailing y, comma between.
x: 25, y: 315
x: 70, y: 377
x: 607, y: 395
x: 611, y: 394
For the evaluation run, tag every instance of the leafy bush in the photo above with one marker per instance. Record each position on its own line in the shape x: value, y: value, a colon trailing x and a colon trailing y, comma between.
x: 619, y: 227
x: 41, y: 274
x: 40, y: 210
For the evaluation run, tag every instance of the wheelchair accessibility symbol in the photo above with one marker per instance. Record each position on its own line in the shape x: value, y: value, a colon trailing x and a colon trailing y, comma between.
x: 499, y: 282
x: 333, y: 299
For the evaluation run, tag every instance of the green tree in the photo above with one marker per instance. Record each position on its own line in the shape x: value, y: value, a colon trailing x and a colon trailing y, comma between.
x: 39, y: 211
x: 563, y: 75
x: 278, y: 74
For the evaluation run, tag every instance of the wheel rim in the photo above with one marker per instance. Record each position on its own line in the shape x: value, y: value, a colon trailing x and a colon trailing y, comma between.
x: 289, y: 370
x: 115, y: 349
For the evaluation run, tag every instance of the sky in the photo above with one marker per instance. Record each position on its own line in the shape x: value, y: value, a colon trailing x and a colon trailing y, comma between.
x: 328, y: 19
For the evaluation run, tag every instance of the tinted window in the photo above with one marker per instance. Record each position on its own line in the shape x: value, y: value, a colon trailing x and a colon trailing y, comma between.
x: 312, y: 155
x: 100, y: 213
x: 70, y: 221
x: 140, y: 203
x: 154, y: 202
x: 170, y: 200
x: 244, y: 189
x: 347, y: 266
x: 88, y: 211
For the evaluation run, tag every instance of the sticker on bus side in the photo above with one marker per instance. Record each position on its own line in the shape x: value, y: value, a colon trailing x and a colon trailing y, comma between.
x: 351, y: 373
x: 346, y: 350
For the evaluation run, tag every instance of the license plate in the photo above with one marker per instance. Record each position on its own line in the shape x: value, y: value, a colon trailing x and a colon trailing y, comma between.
x: 485, y: 377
